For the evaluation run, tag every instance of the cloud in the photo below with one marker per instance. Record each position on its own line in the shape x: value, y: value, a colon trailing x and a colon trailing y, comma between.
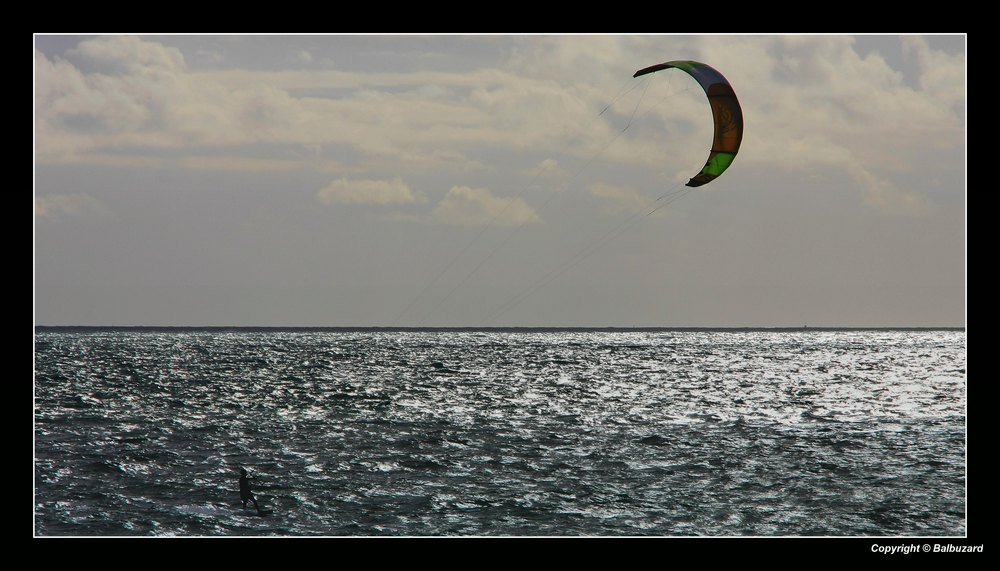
x: 809, y: 102
x: 466, y: 206
x: 118, y: 92
x: 548, y: 164
x: 127, y: 93
x: 942, y: 75
x: 379, y: 192
x: 129, y: 55
x: 209, y: 57
x: 886, y: 197
x: 815, y: 104
x: 53, y: 206
x: 621, y: 197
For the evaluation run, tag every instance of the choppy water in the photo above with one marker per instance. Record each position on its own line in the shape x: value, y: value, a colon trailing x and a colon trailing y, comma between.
x: 501, y: 433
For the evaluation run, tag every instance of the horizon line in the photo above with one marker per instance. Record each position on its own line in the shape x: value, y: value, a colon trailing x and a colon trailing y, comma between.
x: 525, y: 329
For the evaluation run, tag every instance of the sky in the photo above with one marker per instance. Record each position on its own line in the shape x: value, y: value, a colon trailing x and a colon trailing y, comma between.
x: 508, y: 180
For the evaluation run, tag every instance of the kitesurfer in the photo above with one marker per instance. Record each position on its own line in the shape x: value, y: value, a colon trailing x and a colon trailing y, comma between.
x: 245, y: 494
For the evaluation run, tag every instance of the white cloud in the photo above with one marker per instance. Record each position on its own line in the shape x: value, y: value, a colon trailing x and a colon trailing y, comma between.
x: 886, y: 197
x: 209, y: 57
x: 235, y: 163
x: 129, y: 92
x: 548, y: 164
x: 621, y: 197
x: 809, y: 102
x: 477, y: 206
x: 129, y: 55
x: 380, y: 192
x: 549, y: 169
x: 814, y: 103
x: 52, y: 206
x: 942, y: 75
x: 138, y: 95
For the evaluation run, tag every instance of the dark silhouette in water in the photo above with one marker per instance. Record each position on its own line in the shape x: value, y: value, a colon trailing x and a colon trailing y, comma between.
x: 245, y: 494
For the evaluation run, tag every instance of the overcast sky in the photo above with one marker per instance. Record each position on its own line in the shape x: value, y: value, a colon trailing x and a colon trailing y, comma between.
x: 479, y: 181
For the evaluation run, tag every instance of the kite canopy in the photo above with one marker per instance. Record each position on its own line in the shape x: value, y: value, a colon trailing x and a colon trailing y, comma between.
x: 725, y: 109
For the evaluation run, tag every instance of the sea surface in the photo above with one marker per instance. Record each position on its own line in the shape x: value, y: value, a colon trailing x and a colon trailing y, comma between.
x: 500, y: 433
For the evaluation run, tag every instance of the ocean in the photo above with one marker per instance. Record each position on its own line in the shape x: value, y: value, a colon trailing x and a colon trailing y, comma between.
x: 143, y: 432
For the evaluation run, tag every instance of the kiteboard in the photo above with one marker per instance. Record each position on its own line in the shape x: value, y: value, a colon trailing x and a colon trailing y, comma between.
x: 221, y: 511
x: 249, y: 510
